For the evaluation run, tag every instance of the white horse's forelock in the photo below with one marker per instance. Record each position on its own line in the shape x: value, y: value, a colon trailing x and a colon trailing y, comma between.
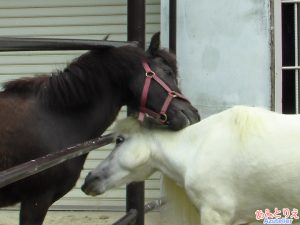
x: 128, y: 125
x: 131, y: 125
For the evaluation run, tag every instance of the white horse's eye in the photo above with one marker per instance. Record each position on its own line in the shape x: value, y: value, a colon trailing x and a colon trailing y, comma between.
x: 119, y: 140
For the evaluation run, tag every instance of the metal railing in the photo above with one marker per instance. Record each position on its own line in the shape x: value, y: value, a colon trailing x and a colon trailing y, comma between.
x: 8, y: 44
x: 40, y: 164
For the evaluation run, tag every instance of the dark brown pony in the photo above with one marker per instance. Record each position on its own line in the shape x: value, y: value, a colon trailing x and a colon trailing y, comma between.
x: 44, y: 114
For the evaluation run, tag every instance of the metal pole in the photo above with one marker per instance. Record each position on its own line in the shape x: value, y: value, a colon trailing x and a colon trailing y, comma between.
x: 135, y: 192
x: 172, y: 25
x: 136, y: 21
x: 42, y: 44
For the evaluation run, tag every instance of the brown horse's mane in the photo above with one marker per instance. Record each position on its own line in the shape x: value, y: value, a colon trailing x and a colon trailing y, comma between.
x: 34, y: 84
x: 25, y: 84
x: 79, y: 83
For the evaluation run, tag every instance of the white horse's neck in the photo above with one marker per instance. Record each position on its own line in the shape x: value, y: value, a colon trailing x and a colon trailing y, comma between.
x: 169, y: 153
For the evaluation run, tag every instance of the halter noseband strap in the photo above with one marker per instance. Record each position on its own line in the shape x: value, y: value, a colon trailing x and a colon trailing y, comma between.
x: 162, y: 116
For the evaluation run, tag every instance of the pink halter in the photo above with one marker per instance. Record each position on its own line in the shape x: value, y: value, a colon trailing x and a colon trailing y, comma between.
x: 162, y: 116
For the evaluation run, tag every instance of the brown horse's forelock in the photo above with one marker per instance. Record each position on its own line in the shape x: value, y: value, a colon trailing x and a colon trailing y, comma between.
x: 169, y: 59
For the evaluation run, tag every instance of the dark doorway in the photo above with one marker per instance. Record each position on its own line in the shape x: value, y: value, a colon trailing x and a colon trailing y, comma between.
x: 288, y: 59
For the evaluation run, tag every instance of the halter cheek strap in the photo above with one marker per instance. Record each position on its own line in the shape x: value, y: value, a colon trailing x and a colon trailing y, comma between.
x: 161, y: 116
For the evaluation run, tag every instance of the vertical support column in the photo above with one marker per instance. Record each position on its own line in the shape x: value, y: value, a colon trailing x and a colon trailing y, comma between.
x: 136, y: 21
x: 135, y: 192
x: 172, y: 25
x: 277, y: 53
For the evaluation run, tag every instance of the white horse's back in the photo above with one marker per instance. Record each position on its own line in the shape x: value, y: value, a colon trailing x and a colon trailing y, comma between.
x: 249, y: 160
x: 231, y: 164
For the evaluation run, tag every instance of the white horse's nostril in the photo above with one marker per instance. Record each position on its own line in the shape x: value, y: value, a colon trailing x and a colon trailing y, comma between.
x: 89, y: 183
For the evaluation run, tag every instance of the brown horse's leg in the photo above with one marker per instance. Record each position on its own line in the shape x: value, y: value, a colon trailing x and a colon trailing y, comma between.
x: 34, y: 210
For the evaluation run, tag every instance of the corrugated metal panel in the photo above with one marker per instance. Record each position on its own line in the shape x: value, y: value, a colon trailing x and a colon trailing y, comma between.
x: 89, y: 19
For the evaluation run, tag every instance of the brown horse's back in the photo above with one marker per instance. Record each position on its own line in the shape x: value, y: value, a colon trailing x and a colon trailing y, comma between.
x: 25, y: 134
x: 15, y: 112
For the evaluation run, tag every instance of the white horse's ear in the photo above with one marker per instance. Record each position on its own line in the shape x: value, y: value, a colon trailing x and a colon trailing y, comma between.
x: 135, y: 157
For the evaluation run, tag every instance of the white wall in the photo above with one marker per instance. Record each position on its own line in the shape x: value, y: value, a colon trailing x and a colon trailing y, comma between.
x: 224, y: 56
x: 223, y: 52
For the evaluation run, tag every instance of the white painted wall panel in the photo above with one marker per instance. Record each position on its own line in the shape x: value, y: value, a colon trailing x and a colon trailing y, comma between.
x: 223, y: 50
x: 224, y: 56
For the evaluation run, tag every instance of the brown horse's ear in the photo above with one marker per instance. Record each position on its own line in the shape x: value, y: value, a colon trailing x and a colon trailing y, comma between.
x: 154, y: 44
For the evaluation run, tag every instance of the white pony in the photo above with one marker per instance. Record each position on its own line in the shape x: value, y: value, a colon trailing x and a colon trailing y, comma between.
x: 231, y: 164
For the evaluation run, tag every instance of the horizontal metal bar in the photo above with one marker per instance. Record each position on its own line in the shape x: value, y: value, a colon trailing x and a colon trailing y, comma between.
x: 291, y: 67
x: 156, y: 204
x: 131, y: 216
x: 290, y: 1
x: 128, y: 219
x: 35, y: 166
x: 44, y: 44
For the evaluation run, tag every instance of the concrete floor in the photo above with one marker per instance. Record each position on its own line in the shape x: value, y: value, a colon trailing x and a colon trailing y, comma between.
x: 77, y: 218
x: 84, y: 218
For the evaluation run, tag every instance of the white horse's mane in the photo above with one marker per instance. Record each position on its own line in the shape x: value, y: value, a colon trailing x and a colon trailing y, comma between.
x: 249, y: 120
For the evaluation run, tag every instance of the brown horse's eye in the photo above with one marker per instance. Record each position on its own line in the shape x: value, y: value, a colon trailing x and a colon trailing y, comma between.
x: 119, y: 140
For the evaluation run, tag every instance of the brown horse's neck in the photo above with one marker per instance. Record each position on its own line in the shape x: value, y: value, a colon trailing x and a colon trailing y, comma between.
x: 87, y: 95
x: 83, y: 117
x: 93, y: 76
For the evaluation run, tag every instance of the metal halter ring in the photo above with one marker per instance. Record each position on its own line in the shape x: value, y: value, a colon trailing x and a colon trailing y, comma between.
x: 163, y: 117
x: 150, y: 74
x: 173, y: 94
